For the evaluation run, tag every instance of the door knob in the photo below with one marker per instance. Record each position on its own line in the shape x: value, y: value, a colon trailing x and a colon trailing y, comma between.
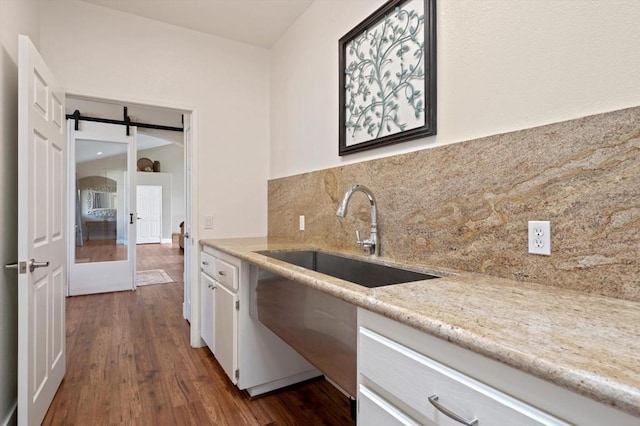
x: 33, y: 265
x: 21, y: 267
x: 186, y: 235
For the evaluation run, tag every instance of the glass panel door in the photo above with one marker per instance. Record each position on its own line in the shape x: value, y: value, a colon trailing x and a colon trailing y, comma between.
x: 102, y: 229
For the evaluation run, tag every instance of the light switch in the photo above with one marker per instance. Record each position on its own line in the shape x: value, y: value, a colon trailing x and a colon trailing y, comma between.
x: 208, y: 222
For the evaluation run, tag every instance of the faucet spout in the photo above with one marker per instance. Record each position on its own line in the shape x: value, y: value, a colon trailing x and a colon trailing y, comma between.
x: 371, y: 244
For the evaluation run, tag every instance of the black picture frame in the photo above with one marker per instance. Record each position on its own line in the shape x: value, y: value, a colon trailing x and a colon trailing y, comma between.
x: 387, y: 98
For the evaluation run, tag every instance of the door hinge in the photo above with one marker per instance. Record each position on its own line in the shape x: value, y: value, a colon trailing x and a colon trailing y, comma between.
x: 237, y: 305
x: 237, y: 373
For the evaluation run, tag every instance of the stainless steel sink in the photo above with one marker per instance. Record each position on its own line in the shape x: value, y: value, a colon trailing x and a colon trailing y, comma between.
x: 321, y: 327
x: 356, y: 271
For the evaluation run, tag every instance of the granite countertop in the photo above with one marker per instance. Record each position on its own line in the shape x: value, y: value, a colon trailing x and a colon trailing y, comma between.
x: 585, y: 343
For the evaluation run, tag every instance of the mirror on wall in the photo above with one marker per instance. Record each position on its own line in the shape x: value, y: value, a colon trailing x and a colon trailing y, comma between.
x: 101, y: 203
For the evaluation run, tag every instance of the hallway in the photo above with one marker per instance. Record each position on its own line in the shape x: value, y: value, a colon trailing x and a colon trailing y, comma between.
x: 129, y: 362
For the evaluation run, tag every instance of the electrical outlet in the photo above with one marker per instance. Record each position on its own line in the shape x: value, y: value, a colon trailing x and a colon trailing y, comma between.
x: 540, y: 237
x: 301, y: 222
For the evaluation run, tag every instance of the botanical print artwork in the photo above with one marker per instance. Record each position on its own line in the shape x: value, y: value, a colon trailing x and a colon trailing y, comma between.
x: 384, y: 76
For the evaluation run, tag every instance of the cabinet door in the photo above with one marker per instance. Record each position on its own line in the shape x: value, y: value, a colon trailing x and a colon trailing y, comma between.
x: 226, y: 333
x: 207, y: 303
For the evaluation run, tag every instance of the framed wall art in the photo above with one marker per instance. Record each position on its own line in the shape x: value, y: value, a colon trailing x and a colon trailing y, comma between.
x: 387, y: 77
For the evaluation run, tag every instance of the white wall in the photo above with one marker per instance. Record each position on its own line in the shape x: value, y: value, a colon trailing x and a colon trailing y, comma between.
x: 171, y: 159
x: 104, y: 53
x: 16, y: 17
x: 503, y: 65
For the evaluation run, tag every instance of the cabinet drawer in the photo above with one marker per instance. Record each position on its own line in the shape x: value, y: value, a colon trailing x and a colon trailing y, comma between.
x: 373, y: 410
x: 226, y: 274
x: 411, y: 378
x: 207, y: 263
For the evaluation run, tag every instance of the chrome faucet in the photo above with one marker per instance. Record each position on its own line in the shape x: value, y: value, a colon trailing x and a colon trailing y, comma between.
x: 371, y: 245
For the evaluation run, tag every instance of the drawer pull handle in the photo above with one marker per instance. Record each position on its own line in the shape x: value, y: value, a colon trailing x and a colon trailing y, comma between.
x: 223, y: 273
x: 205, y: 263
x: 444, y: 410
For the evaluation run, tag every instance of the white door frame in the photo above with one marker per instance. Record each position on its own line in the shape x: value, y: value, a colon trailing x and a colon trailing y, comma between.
x: 188, y: 211
x: 193, y: 190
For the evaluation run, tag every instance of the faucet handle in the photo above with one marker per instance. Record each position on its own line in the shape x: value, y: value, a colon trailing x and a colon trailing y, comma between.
x: 368, y: 245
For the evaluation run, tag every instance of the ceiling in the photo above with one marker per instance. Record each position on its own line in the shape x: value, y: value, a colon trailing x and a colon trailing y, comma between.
x: 257, y: 22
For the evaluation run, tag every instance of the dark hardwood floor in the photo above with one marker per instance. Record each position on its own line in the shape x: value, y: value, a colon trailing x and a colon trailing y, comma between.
x: 129, y: 362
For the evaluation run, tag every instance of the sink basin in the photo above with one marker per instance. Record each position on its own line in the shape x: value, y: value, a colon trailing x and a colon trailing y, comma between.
x: 321, y: 327
x: 366, y: 274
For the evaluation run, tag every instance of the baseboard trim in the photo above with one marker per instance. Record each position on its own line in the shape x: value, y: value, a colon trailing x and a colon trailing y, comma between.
x: 166, y: 240
x: 12, y: 417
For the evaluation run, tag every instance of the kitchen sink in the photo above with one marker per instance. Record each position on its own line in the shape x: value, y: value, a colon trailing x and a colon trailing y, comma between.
x: 321, y: 327
x: 357, y: 271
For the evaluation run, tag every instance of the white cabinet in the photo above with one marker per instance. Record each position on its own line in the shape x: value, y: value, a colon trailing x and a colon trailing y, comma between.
x: 434, y: 393
x: 207, y: 302
x: 255, y: 359
x: 408, y: 377
x: 219, y: 311
x: 207, y: 297
x: 375, y: 410
x: 208, y: 264
x: 226, y: 274
x: 226, y: 330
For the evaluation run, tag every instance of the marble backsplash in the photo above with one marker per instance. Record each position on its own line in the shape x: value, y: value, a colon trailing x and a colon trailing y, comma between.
x: 466, y: 206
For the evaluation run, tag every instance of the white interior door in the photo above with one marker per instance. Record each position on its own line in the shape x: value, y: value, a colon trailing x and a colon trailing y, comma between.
x: 102, y: 171
x: 149, y: 208
x: 42, y: 162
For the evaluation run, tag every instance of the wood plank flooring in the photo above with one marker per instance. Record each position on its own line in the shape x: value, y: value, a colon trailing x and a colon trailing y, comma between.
x: 100, y: 251
x: 129, y: 362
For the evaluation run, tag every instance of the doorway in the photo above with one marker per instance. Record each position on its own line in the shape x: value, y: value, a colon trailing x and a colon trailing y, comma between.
x: 159, y: 190
x: 149, y: 209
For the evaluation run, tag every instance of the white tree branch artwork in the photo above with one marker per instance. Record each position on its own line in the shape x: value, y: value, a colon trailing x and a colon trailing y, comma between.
x: 384, y: 76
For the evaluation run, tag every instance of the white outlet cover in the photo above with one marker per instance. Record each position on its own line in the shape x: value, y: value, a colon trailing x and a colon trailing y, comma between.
x: 540, y: 237
x: 301, y: 222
